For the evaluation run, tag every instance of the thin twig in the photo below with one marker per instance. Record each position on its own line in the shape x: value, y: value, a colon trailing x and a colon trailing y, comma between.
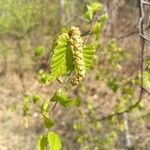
x: 127, y: 35
x: 53, y: 108
x: 145, y: 3
x: 147, y: 91
x: 145, y: 38
x: 76, y: 17
x: 132, y: 33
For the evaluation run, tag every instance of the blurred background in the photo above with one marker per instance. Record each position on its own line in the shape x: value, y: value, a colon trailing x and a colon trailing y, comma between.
x: 27, y: 30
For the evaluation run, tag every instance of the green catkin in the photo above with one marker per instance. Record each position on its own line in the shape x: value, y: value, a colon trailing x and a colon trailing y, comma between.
x: 76, y: 44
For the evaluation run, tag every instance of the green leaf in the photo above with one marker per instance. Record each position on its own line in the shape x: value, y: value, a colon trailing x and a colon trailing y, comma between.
x: 112, y: 83
x: 89, y: 14
x: 39, y: 51
x: 62, y: 60
x: 64, y: 29
x: 97, y: 29
x: 27, y: 98
x: 47, y: 121
x: 103, y: 18
x: 88, y: 54
x: 35, y: 98
x: 92, y: 9
x: 26, y: 105
x: 78, y: 126
x: 26, y: 109
x: 42, y: 142
x: 62, y: 97
x: 96, y: 6
x: 45, y: 106
x: 54, y: 141
x: 123, y: 103
x: 141, y: 105
x: 42, y: 77
x: 113, y: 134
x: 146, y: 79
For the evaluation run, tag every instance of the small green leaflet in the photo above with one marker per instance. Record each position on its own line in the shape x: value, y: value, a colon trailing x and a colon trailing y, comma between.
x: 62, y: 97
x: 42, y: 142
x: 54, y: 141
x: 112, y: 84
x: 97, y: 29
x: 98, y: 26
x: 47, y: 121
x: 146, y: 79
x: 39, y: 51
x: 88, y: 53
x: 35, y: 98
x: 45, y: 106
x: 92, y: 9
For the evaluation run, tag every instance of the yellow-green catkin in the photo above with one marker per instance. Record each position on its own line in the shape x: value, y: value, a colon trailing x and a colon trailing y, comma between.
x: 76, y: 44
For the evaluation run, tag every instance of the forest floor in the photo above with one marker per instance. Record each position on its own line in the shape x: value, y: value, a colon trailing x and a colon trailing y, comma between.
x: 14, y: 134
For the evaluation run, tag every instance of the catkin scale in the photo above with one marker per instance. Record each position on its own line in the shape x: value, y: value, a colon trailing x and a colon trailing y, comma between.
x: 76, y: 45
